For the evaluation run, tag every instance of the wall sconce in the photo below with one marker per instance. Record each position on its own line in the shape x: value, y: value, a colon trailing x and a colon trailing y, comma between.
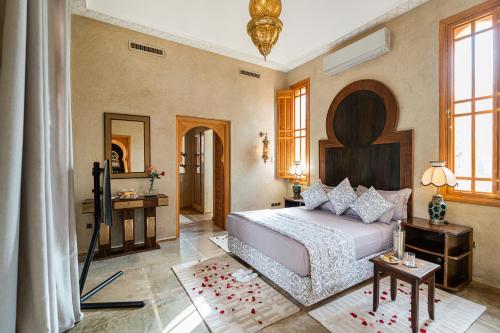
x: 265, y: 147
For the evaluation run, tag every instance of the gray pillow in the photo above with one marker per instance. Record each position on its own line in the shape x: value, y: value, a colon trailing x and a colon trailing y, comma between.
x: 314, y: 196
x: 370, y: 206
x: 342, y: 196
x: 327, y: 205
x: 398, y: 198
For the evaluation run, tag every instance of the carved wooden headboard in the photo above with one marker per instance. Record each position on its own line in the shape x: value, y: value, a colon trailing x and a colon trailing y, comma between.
x: 363, y: 142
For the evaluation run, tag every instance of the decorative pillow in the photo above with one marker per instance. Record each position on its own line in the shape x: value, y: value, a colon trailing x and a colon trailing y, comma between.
x: 398, y: 198
x: 314, y: 196
x: 341, y: 196
x: 327, y: 205
x: 370, y: 206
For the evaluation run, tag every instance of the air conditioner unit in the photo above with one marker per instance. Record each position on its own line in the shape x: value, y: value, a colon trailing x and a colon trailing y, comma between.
x: 363, y: 50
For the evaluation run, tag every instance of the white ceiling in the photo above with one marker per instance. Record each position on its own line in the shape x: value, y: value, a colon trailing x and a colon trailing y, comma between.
x: 310, y: 27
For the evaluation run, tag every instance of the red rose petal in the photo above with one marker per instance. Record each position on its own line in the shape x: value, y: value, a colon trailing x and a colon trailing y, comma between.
x: 260, y: 322
x: 221, y: 312
x: 253, y: 311
x: 354, y: 315
x: 364, y: 323
x: 371, y: 313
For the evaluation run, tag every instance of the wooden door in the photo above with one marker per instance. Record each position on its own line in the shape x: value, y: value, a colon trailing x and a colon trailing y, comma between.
x: 218, y: 182
x: 199, y: 168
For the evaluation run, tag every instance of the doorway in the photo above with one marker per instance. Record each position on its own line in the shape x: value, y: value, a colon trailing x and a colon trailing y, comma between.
x: 196, y: 172
x: 192, y: 136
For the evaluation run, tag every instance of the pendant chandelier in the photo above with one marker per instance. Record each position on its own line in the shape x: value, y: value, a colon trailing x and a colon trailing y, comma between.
x: 265, y: 25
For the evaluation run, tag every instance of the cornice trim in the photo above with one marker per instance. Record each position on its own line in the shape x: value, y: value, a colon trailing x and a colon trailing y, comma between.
x: 79, y: 7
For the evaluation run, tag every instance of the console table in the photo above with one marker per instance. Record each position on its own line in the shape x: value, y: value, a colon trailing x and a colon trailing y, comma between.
x: 126, y: 209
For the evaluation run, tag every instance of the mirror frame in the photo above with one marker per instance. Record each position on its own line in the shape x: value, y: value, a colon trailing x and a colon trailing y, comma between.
x: 108, y: 118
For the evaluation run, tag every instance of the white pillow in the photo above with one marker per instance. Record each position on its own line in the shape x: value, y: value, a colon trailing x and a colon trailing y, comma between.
x: 314, y: 196
x: 342, y: 196
x: 398, y: 198
x: 370, y: 206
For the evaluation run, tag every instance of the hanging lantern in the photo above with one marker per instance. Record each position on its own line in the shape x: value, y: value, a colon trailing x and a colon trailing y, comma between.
x: 265, y: 26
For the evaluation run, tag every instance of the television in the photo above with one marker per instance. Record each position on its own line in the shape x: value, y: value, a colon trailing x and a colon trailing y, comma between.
x: 107, y: 207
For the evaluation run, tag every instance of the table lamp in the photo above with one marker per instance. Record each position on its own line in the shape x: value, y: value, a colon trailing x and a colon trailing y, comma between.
x: 296, y: 171
x: 439, y: 176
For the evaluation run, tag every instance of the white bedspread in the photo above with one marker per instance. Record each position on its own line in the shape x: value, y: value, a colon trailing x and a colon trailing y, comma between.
x: 331, y: 252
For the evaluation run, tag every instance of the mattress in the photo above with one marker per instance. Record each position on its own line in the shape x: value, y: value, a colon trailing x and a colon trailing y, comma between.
x: 368, y: 238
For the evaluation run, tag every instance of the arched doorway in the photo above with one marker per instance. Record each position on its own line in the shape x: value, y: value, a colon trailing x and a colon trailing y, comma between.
x: 221, y: 198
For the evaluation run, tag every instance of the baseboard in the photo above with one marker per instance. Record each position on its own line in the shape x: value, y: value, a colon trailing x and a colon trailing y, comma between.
x: 485, y: 285
x: 168, y: 239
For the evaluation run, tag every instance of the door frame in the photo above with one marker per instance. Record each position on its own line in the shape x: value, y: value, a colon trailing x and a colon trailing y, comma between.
x: 222, y: 128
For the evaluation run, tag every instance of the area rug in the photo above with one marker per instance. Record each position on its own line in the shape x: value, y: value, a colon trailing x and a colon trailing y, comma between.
x: 221, y: 241
x: 352, y: 313
x: 184, y: 220
x: 229, y: 306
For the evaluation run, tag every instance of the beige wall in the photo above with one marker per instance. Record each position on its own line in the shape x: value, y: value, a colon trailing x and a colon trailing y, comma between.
x: 107, y: 77
x: 411, y: 71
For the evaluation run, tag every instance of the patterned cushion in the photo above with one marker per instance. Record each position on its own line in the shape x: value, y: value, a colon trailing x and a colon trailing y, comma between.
x: 341, y: 196
x: 371, y: 205
x: 398, y: 198
x: 314, y: 196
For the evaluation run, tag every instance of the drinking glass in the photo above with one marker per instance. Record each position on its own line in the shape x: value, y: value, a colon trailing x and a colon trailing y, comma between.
x: 410, y: 259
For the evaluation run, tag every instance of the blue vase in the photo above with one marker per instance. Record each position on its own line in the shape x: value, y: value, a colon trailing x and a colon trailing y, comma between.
x: 296, y: 190
x: 437, y: 209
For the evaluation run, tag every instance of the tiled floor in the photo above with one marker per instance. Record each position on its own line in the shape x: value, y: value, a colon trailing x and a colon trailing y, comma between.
x: 147, y: 276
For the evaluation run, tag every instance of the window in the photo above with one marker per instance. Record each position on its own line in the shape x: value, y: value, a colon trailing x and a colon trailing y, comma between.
x: 469, y: 130
x: 293, y: 130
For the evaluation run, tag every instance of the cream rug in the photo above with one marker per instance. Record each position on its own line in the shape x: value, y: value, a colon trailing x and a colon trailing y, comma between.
x: 352, y: 313
x: 184, y: 220
x: 228, y: 306
x: 221, y: 241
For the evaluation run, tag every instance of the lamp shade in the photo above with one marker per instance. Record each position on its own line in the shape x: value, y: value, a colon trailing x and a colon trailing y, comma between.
x: 296, y: 169
x: 438, y: 175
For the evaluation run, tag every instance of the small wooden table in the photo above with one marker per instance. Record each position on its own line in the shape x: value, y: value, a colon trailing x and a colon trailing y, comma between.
x: 293, y: 202
x: 425, y: 272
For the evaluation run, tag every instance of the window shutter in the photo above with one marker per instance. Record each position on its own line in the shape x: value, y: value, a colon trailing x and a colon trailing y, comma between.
x: 285, y: 144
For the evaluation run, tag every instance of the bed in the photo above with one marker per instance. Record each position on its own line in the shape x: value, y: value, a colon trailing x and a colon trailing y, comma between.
x: 313, y: 254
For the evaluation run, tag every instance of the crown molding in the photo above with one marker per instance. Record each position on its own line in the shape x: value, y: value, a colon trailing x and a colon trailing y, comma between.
x: 79, y: 7
x: 386, y: 17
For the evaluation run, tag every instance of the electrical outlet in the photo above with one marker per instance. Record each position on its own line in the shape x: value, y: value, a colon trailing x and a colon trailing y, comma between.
x: 275, y: 204
x: 89, y: 225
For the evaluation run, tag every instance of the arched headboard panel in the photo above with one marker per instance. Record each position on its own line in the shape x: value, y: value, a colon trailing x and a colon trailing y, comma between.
x: 363, y: 142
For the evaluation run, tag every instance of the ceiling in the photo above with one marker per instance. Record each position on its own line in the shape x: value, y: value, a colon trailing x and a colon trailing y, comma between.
x: 310, y: 27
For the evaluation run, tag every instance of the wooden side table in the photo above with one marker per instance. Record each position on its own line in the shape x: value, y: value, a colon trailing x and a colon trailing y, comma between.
x: 450, y: 246
x: 425, y: 272
x: 292, y: 202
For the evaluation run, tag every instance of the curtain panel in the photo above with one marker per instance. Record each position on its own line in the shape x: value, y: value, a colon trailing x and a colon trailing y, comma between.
x: 38, y: 252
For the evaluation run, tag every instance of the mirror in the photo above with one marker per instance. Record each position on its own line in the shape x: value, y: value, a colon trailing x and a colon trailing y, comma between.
x: 127, y: 145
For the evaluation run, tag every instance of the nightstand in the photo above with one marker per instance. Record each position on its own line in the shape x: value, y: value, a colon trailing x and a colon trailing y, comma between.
x: 450, y: 246
x: 292, y: 202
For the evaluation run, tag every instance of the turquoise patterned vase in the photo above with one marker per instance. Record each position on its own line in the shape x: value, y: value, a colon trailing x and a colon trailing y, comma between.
x: 296, y: 190
x: 437, y: 209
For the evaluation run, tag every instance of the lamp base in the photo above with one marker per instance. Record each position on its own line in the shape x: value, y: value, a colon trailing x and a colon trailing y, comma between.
x: 296, y: 190
x: 437, y: 210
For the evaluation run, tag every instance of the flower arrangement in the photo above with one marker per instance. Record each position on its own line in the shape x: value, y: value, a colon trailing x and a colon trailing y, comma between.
x: 153, y: 175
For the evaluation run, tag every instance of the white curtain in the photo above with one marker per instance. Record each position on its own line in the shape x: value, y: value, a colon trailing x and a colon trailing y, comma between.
x: 38, y: 255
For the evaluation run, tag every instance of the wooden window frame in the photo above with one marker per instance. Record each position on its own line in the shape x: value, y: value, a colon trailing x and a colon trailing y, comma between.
x: 285, y: 134
x: 304, y: 84
x: 445, y: 116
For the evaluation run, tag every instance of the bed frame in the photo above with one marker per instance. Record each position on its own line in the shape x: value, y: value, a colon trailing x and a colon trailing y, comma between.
x: 364, y: 145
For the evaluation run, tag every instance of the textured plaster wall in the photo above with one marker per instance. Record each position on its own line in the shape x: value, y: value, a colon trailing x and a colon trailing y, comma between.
x: 107, y: 77
x: 411, y: 72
